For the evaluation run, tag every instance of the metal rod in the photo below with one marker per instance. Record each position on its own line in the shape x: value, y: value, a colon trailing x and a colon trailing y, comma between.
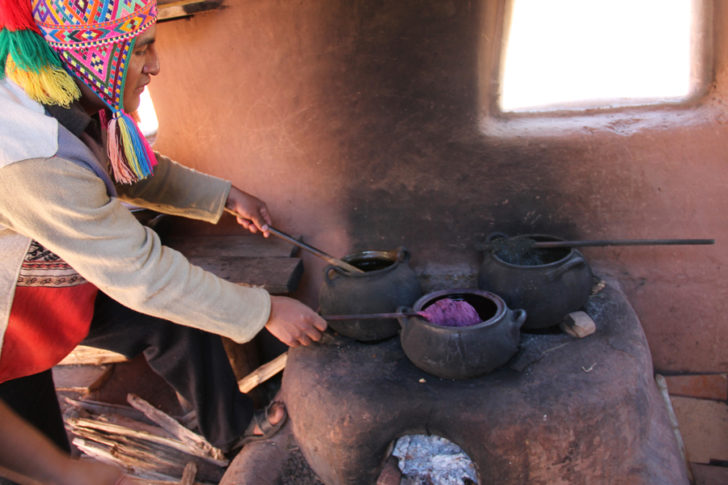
x: 329, y: 259
x: 371, y: 316
x: 618, y: 242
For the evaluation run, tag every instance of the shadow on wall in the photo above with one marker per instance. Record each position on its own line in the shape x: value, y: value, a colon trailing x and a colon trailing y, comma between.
x: 423, y: 175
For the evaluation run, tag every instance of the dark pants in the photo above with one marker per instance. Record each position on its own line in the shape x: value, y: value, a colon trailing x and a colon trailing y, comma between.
x: 193, y: 362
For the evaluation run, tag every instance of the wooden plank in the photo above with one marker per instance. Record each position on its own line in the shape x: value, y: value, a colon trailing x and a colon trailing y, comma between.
x: 243, y: 245
x: 279, y: 276
x: 172, y: 9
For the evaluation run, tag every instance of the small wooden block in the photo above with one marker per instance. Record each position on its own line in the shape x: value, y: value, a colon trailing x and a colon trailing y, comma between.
x: 578, y: 324
x: 280, y: 276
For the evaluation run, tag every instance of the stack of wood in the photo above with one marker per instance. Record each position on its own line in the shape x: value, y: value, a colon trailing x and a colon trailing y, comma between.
x: 148, y: 443
x: 144, y: 441
x: 139, y: 437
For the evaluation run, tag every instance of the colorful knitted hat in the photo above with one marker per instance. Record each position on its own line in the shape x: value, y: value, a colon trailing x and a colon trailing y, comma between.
x: 42, y: 41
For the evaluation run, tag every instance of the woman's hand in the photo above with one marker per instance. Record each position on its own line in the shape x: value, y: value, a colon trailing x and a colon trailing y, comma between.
x: 86, y: 472
x: 293, y: 323
x: 30, y: 456
x: 250, y: 212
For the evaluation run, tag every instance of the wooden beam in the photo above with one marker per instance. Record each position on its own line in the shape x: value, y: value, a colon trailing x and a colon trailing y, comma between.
x: 173, y: 9
x: 280, y: 276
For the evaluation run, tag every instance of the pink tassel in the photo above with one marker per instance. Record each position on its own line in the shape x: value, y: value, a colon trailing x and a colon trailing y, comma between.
x: 119, y: 168
x: 130, y: 154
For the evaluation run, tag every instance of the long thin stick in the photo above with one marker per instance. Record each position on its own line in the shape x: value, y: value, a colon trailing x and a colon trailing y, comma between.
x: 329, y: 259
x: 263, y: 373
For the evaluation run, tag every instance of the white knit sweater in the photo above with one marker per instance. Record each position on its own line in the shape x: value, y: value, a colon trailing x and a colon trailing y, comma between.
x: 64, y: 205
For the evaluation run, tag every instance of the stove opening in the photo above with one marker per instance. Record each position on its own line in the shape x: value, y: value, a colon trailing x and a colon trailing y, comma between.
x: 433, y: 459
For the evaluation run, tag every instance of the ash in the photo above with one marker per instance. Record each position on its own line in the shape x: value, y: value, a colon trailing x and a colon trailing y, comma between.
x: 426, y: 460
x: 296, y: 470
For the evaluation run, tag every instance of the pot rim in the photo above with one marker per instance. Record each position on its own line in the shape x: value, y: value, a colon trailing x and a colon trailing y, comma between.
x: 394, y: 255
x: 543, y: 237
x: 501, y: 308
x: 391, y: 254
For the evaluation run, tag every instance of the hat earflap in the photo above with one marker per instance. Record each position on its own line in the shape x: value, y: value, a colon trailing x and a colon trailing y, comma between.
x: 27, y: 59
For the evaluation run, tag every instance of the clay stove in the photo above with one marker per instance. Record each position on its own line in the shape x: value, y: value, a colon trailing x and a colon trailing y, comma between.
x: 563, y: 410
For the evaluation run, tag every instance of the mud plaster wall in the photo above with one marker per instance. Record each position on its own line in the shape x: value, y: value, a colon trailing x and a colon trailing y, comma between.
x: 361, y: 124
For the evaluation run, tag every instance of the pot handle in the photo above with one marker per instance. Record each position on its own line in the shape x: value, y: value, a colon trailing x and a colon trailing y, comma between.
x: 486, y: 245
x: 519, y: 317
x: 572, y: 263
x: 496, y: 235
x: 331, y: 272
x: 403, y: 320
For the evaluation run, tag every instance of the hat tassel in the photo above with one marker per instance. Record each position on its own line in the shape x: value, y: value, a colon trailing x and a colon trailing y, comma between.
x: 131, y: 156
x: 27, y: 59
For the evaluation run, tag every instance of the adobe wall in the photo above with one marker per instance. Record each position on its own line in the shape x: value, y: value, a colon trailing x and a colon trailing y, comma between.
x: 361, y: 124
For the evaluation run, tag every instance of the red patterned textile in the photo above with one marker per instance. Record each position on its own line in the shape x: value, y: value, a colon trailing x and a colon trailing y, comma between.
x: 51, y: 314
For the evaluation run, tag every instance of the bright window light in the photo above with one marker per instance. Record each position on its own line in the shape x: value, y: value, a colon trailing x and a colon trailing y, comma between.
x: 564, y: 54
x: 148, y: 122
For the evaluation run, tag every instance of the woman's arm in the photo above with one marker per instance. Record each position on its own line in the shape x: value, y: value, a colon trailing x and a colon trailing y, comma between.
x: 25, y: 451
x: 178, y: 190
x: 65, y: 207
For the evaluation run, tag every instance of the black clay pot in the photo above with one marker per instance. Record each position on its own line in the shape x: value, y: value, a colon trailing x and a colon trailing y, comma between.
x: 387, y: 283
x: 548, y: 283
x: 462, y: 352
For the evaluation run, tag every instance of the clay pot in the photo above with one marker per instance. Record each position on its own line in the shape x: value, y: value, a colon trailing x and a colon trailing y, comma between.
x: 548, y: 283
x: 387, y: 283
x: 462, y: 352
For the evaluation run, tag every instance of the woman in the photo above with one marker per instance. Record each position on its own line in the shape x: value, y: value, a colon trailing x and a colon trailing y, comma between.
x: 75, y: 264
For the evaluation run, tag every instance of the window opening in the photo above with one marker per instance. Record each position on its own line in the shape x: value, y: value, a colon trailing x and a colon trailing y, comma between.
x: 579, y: 54
x: 147, y: 117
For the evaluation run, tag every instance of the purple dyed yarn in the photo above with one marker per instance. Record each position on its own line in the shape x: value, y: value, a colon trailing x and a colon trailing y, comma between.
x: 451, y: 313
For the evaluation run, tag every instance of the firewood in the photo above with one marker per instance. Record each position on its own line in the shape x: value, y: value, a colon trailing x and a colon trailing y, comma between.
x: 173, y: 427
x: 106, y: 409
x: 83, y: 355
x: 81, y: 425
x: 262, y: 373
x: 136, y: 466
x: 142, y: 459
x: 188, y: 475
